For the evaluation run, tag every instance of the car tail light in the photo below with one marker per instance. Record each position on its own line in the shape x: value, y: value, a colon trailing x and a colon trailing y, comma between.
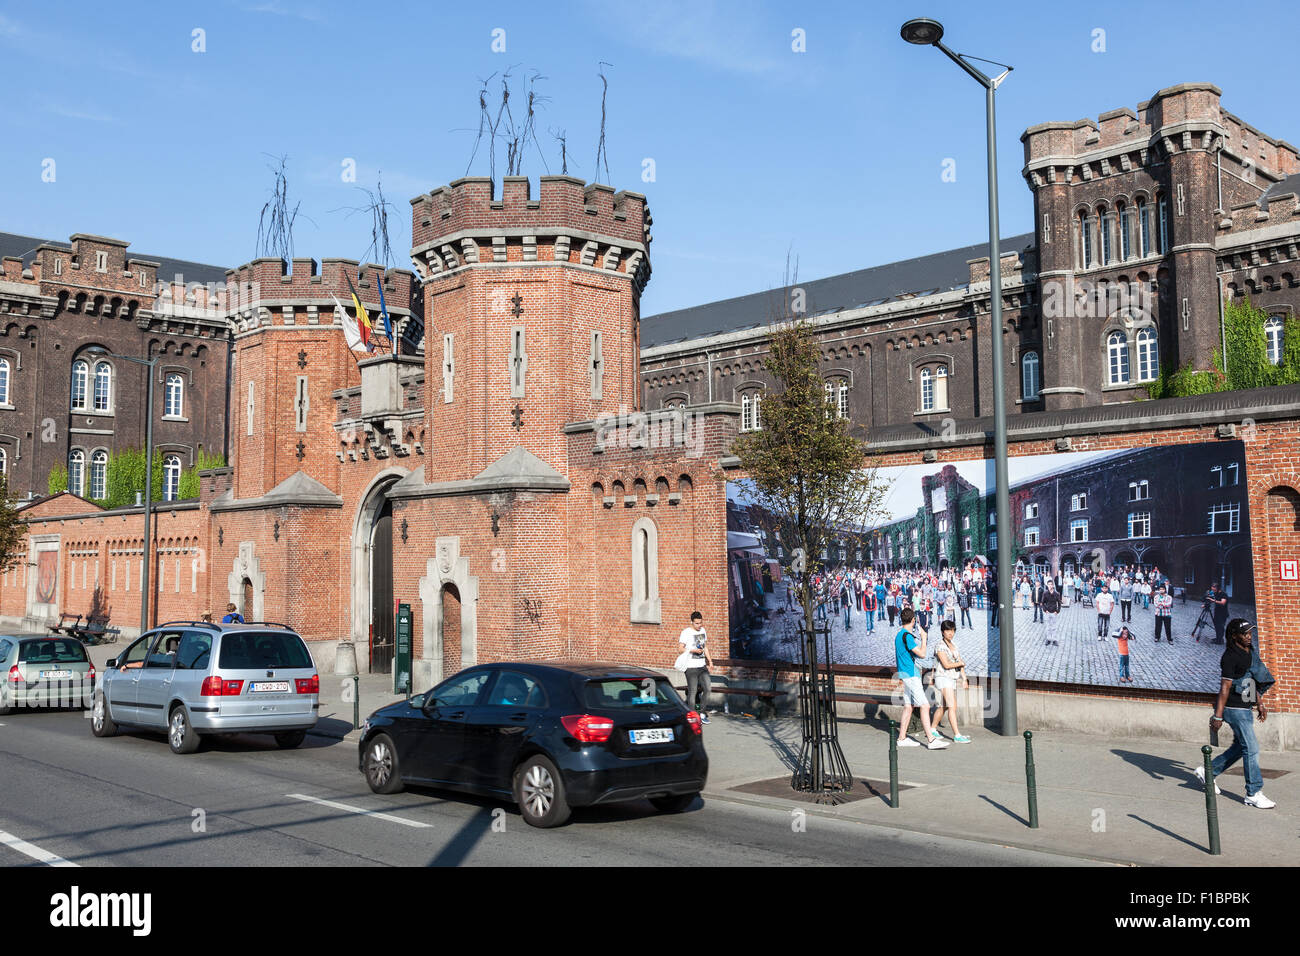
x: 90, y: 674
x: 588, y: 729
x: 14, y: 676
x: 217, y: 687
x: 308, y: 685
x: 693, y: 719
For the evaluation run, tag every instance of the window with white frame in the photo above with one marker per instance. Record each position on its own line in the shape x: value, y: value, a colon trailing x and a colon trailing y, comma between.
x: 927, y: 390
x: 1225, y: 519
x: 1273, y: 339
x: 1085, y: 240
x: 80, y: 383
x: 1117, y: 358
x: 171, y: 478
x: 4, y: 462
x: 1125, y: 223
x: 1079, y: 529
x: 99, y: 475
x: 842, y: 399
x: 749, y: 411
x: 1031, y: 537
x: 993, y: 519
x: 1164, y: 226
x: 1031, y: 510
x: 1148, y: 355
x: 77, y: 472
x: 1139, y: 524
x: 965, y: 522
x: 4, y: 381
x: 1139, y: 490
x: 913, y: 534
x: 1107, y: 240
x: 103, y: 387
x: 1223, y: 476
x: 174, y: 396
x: 1144, y: 227
x: 1030, y: 380
x: 1079, y: 502
x: 993, y: 540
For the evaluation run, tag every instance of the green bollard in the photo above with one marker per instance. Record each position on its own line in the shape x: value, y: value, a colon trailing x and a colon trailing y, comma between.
x: 1211, y: 805
x: 893, y: 764
x: 1029, y: 779
x: 356, y: 701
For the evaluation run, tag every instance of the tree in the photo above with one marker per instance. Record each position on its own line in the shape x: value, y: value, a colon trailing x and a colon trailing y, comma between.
x: 13, y: 531
x: 814, y: 478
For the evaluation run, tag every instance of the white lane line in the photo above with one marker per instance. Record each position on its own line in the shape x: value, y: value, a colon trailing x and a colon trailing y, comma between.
x: 35, y: 852
x: 361, y: 810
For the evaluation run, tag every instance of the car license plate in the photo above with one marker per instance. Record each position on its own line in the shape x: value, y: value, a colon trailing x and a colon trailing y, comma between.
x: 269, y: 686
x: 56, y: 675
x: 655, y: 735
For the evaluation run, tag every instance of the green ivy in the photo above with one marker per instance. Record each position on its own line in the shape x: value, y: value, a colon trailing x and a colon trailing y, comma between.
x: 58, y: 480
x: 1248, y: 365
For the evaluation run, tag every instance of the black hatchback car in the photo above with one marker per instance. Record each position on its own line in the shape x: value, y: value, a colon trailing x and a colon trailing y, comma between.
x: 550, y: 735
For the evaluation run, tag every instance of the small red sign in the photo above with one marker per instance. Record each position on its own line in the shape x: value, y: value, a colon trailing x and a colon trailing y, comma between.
x: 1290, y: 570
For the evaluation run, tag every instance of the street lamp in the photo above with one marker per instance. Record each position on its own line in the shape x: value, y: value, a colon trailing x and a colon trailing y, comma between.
x: 923, y: 32
x: 148, y: 473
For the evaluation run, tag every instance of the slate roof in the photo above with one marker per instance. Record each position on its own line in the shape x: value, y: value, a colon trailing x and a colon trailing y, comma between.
x: 24, y: 247
x: 937, y: 272
x: 1291, y: 184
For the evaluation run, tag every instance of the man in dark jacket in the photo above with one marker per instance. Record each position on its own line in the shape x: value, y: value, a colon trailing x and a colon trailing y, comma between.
x: 1051, y: 603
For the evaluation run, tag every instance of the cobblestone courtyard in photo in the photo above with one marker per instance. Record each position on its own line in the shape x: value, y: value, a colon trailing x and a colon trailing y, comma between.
x: 1185, y: 664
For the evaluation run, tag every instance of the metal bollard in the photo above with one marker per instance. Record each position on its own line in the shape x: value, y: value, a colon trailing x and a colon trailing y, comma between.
x: 1029, y: 779
x: 1211, y: 805
x: 356, y: 701
x: 893, y: 764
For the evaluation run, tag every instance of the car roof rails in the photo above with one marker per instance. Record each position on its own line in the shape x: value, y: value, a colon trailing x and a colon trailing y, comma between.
x: 196, y: 623
x: 267, y: 624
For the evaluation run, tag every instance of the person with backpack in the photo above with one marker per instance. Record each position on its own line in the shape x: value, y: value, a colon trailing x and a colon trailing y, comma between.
x: 1243, y: 683
x: 909, y: 651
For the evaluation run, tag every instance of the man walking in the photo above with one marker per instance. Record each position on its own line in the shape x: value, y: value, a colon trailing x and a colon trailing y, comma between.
x: 1234, y: 708
x: 1105, y: 604
x: 1051, y: 602
x: 695, y: 663
x: 1164, y: 613
x: 909, y: 651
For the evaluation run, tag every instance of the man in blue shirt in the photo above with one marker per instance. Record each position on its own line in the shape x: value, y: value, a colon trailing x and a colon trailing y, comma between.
x: 232, y: 616
x: 909, y: 651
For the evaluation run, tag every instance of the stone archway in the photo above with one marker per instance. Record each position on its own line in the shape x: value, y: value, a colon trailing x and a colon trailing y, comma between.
x: 370, y: 513
x: 446, y: 567
x: 247, y: 566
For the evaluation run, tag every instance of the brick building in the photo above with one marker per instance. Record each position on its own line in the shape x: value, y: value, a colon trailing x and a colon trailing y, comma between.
x: 1140, y: 218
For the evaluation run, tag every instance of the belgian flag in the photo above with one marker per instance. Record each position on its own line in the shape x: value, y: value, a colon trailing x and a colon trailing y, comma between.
x: 363, y: 318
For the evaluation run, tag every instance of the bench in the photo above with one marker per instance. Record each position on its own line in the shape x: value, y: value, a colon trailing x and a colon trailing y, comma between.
x: 767, y: 695
x: 63, y: 627
x: 97, y: 631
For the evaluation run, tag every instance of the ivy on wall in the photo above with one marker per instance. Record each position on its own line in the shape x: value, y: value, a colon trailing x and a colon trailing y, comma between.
x: 1247, y: 366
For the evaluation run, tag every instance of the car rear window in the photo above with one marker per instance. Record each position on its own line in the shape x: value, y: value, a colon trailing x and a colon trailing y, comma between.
x: 263, y: 650
x: 55, y: 651
x: 629, y: 693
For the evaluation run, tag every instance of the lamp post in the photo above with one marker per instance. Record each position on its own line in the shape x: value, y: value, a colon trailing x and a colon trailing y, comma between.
x: 925, y: 32
x: 146, y: 577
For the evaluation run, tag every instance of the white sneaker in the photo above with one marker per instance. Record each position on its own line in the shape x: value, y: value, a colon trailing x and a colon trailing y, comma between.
x: 908, y: 742
x: 1260, y: 802
x: 1200, y: 776
x: 937, y: 743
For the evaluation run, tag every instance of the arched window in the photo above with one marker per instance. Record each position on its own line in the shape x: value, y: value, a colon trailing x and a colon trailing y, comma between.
x: 1029, y: 376
x: 103, y: 387
x: 1273, y: 339
x: 1107, y: 220
x: 645, y: 605
x: 1086, y: 260
x: 941, y: 387
x: 171, y: 478
x: 1163, y: 233
x: 77, y: 472
x: 1148, y: 355
x: 1125, y: 222
x: 4, y: 463
x: 80, y: 381
x: 99, y: 475
x: 174, y: 397
x: 927, y: 390
x: 1117, y: 358
x: 4, y: 381
x: 934, y: 389
x: 749, y: 403
x: 1144, y: 227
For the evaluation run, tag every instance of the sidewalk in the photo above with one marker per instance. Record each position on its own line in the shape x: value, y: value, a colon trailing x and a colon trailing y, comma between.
x: 1120, y: 800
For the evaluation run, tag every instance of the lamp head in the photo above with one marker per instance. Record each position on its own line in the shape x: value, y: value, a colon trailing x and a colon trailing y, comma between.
x: 922, y: 32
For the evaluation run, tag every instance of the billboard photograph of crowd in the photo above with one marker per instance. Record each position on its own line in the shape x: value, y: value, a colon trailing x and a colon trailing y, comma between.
x: 1128, y: 564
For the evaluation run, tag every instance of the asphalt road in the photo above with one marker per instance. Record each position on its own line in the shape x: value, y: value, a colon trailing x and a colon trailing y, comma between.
x: 240, y: 801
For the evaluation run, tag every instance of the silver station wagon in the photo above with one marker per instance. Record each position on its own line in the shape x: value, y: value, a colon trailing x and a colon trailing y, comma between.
x: 44, y: 672
x: 191, y: 679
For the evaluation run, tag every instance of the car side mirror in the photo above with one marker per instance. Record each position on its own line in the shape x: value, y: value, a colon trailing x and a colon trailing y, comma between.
x: 111, y: 663
x: 429, y: 704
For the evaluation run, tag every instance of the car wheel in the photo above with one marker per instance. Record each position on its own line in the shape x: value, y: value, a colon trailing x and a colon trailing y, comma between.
x: 382, y: 772
x: 539, y: 791
x: 673, y: 804
x: 290, y: 739
x: 101, y: 721
x: 180, y: 735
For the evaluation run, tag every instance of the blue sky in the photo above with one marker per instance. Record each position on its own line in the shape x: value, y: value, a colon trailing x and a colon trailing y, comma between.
x: 834, y: 154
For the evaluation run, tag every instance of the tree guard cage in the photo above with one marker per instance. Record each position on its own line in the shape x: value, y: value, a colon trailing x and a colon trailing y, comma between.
x: 821, y: 768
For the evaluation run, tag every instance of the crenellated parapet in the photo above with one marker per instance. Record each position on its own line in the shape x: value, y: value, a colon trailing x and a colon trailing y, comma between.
x: 573, y: 222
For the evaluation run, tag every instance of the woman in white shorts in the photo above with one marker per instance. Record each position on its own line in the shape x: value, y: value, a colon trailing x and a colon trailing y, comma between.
x: 949, y: 669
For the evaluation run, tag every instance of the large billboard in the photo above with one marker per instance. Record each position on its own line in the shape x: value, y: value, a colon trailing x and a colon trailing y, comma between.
x: 1108, y: 529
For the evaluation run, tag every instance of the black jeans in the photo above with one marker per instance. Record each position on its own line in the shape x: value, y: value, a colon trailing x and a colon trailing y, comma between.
x: 1126, y: 610
x: 698, y: 686
x: 1164, y: 622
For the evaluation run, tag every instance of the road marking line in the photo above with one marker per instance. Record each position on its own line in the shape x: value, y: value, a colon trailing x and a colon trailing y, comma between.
x: 35, y: 852
x: 362, y: 810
